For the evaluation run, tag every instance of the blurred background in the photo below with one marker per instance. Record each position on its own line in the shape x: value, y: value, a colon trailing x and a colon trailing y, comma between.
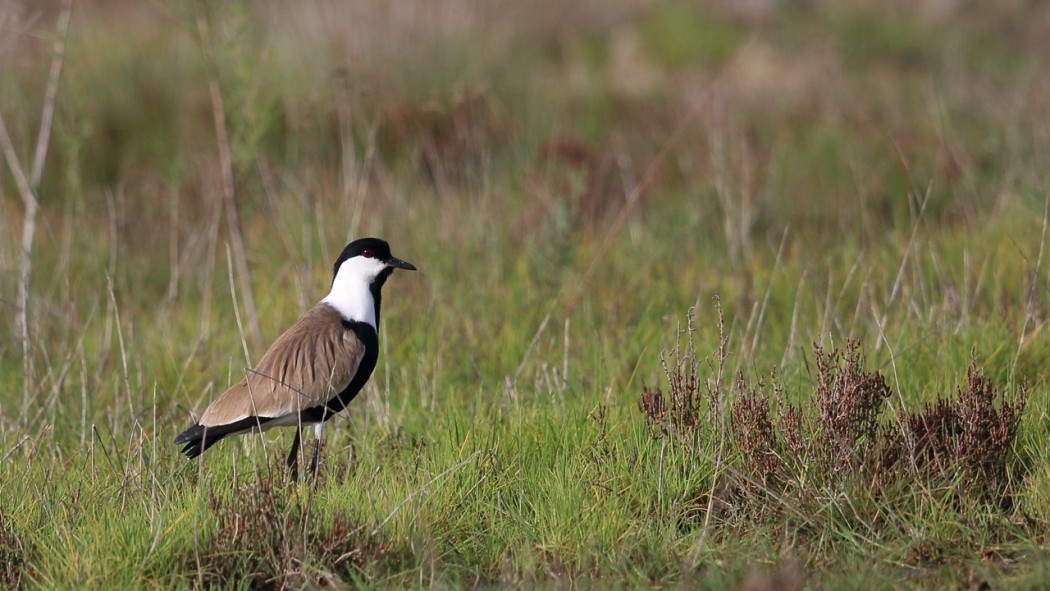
x: 620, y: 160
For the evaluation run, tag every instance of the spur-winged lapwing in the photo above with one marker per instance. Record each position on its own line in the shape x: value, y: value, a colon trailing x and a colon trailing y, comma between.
x: 313, y: 370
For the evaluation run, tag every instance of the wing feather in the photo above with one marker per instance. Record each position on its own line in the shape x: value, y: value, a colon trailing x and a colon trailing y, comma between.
x: 313, y: 361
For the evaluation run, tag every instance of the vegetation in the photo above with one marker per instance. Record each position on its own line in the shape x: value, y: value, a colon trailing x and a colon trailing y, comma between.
x: 712, y: 294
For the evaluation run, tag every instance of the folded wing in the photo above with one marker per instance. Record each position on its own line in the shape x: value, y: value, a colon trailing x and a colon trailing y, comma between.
x: 311, y: 363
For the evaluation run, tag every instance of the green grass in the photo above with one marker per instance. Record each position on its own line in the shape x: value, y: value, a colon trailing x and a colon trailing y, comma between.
x: 677, y: 34
x: 887, y: 189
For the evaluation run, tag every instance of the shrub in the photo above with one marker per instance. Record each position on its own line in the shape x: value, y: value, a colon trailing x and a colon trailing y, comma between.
x: 776, y: 449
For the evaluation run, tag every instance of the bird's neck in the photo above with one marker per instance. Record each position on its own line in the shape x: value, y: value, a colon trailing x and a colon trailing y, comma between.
x: 357, y: 300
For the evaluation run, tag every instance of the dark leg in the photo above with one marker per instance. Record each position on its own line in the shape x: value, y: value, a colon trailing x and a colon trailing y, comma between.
x: 293, y: 456
x: 313, y: 459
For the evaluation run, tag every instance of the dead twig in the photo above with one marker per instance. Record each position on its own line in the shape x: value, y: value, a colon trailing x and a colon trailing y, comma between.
x: 29, y: 187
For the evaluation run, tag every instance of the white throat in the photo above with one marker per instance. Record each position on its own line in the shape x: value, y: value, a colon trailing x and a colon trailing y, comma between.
x: 351, y: 295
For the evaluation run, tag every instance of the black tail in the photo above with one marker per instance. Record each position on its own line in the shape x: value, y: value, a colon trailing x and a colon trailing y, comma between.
x: 198, y: 438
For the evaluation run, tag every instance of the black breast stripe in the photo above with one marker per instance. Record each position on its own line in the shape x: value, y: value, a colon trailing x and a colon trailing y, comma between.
x: 368, y: 337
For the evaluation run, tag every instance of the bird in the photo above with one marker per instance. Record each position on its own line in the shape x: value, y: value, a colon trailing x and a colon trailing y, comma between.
x: 315, y: 368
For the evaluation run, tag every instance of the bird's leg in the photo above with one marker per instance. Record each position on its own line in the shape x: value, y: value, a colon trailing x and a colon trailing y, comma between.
x: 293, y: 456
x: 313, y: 459
x: 317, y: 449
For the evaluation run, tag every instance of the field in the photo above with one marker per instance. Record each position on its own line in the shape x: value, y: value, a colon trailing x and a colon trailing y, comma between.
x: 712, y: 294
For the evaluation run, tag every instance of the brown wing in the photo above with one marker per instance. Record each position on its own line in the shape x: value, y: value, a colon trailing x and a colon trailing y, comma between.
x: 310, y: 363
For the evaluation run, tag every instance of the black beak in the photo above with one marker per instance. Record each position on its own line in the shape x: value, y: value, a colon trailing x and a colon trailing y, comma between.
x: 395, y: 262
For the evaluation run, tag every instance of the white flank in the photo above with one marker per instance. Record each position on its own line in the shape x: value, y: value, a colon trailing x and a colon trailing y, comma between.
x: 350, y: 295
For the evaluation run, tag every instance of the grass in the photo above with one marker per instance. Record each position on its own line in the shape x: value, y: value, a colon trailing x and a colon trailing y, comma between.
x: 814, y: 201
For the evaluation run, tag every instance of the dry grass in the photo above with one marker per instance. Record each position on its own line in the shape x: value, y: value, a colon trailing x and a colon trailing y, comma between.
x: 842, y: 445
x: 264, y: 535
x: 969, y: 438
x: 14, y: 559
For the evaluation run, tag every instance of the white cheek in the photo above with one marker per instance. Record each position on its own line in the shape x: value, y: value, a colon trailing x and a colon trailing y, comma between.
x: 360, y: 268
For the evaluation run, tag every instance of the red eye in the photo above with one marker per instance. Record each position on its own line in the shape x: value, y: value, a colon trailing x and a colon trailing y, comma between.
x: 367, y: 253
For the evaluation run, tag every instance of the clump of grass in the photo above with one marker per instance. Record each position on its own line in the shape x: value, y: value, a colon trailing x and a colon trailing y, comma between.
x: 845, y: 445
x: 694, y: 405
x: 849, y: 401
x: 756, y: 436
x: 654, y: 409
x: 268, y: 537
x: 839, y: 442
x: 13, y: 561
x: 966, y: 439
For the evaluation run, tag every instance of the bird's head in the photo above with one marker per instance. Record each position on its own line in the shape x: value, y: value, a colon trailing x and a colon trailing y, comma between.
x: 366, y: 260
